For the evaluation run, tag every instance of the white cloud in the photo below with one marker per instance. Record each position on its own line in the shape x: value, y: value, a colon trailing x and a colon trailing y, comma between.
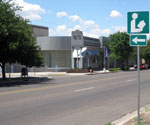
x: 77, y: 27
x: 29, y: 11
x: 90, y: 34
x: 115, y: 13
x: 89, y: 23
x: 89, y: 27
x: 74, y: 18
x: 61, y: 28
x: 106, y: 31
x: 120, y: 28
x: 61, y: 14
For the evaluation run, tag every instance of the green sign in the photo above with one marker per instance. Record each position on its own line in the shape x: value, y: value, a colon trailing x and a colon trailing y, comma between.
x: 138, y: 22
x: 138, y: 40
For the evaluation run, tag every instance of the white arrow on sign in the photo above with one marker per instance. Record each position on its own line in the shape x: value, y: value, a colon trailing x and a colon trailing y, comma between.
x: 135, y: 40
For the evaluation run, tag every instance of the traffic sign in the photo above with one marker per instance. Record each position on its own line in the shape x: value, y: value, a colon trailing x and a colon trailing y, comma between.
x: 138, y: 40
x: 138, y: 22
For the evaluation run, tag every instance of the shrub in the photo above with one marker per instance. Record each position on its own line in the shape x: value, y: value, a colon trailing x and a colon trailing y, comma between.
x: 126, y: 68
x: 114, y: 69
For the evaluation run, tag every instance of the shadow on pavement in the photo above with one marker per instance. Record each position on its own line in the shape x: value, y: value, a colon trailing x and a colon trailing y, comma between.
x: 13, y: 82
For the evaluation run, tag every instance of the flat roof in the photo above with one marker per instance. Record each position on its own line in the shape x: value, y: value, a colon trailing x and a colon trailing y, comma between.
x: 37, y: 26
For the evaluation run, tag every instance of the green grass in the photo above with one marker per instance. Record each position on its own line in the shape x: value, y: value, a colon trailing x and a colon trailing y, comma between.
x: 143, y: 123
x: 109, y: 123
x: 114, y: 69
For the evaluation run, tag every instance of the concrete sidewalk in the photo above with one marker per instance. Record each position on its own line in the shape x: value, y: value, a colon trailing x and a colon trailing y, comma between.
x: 36, y: 74
x: 48, y: 74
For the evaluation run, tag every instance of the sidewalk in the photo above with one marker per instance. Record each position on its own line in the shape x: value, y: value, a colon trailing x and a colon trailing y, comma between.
x: 48, y: 74
x: 36, y: 74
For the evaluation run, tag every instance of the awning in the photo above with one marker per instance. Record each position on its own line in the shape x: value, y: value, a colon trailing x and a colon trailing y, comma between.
x: 90, y: 53
x: 93, y: 53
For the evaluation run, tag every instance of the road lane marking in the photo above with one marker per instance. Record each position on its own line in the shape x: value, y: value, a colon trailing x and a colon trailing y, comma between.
x: 78, y: 90
x: 130, y: 80
x: 63, y: 85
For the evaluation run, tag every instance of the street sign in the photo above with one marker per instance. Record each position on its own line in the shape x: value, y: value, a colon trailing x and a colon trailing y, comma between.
x: 138, y: 40
x: 138, y: 22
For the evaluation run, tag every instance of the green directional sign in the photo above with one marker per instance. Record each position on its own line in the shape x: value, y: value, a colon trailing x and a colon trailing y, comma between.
x: 138, y: 40
x: 138, y: 22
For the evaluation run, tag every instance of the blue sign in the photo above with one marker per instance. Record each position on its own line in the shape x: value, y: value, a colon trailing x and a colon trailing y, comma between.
x: 12, y: 69
x: 56, y: 67
x: 106, y: 52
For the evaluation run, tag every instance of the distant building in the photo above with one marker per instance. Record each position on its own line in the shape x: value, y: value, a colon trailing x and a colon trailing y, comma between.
x: 64, y: 52
x: 39, y: 31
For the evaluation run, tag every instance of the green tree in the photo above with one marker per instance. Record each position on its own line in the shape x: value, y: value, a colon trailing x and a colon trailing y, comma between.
x: 17, y: 43
x: 145, y: 52
x: 119, y: 47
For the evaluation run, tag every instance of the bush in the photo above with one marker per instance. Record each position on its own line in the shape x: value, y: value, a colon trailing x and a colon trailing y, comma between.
x: 109, y: 123
x: 114, y: 69
x: 76, y: 70
x: 126, y: 68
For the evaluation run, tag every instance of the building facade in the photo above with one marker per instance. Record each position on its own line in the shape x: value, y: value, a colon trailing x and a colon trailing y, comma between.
x: 76, y: 51
x: 65, y: 52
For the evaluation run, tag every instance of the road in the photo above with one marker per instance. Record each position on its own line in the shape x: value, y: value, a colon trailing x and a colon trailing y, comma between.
x: 74, y: 100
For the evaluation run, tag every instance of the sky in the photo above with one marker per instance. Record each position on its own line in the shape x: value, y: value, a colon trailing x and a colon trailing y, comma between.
x: 94, y: 17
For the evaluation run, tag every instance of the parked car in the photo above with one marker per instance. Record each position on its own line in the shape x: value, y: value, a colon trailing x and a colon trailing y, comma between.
x: 143, y: 66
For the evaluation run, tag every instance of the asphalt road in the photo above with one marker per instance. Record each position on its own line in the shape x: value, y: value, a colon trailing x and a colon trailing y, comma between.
x: 74, y: 100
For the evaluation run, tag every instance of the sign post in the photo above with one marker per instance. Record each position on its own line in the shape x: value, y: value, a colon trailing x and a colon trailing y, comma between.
x: 138, y: 27
x: 107, y: 56
x: 138, y: 86
x: 104, y: 60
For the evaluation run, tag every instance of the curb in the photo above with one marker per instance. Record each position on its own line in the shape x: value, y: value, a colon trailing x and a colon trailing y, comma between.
x: 125, y: 118
x: 129, y: 116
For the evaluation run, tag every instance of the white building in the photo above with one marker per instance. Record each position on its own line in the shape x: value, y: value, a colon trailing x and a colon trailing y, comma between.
x: 65, y: 52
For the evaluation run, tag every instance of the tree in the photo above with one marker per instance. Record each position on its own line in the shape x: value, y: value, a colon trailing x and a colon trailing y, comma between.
x: 17, y: 43
x: 145, y: 52
x: 119, y: 47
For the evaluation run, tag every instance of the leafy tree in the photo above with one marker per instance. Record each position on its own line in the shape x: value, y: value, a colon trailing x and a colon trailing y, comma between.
x: 145, y: 52
x: 119, y: 47
x: 17, y: 43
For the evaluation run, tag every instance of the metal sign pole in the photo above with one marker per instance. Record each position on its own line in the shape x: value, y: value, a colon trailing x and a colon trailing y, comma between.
x: 104, y: 59
x: 138, y: 85
x: 77, y: 60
